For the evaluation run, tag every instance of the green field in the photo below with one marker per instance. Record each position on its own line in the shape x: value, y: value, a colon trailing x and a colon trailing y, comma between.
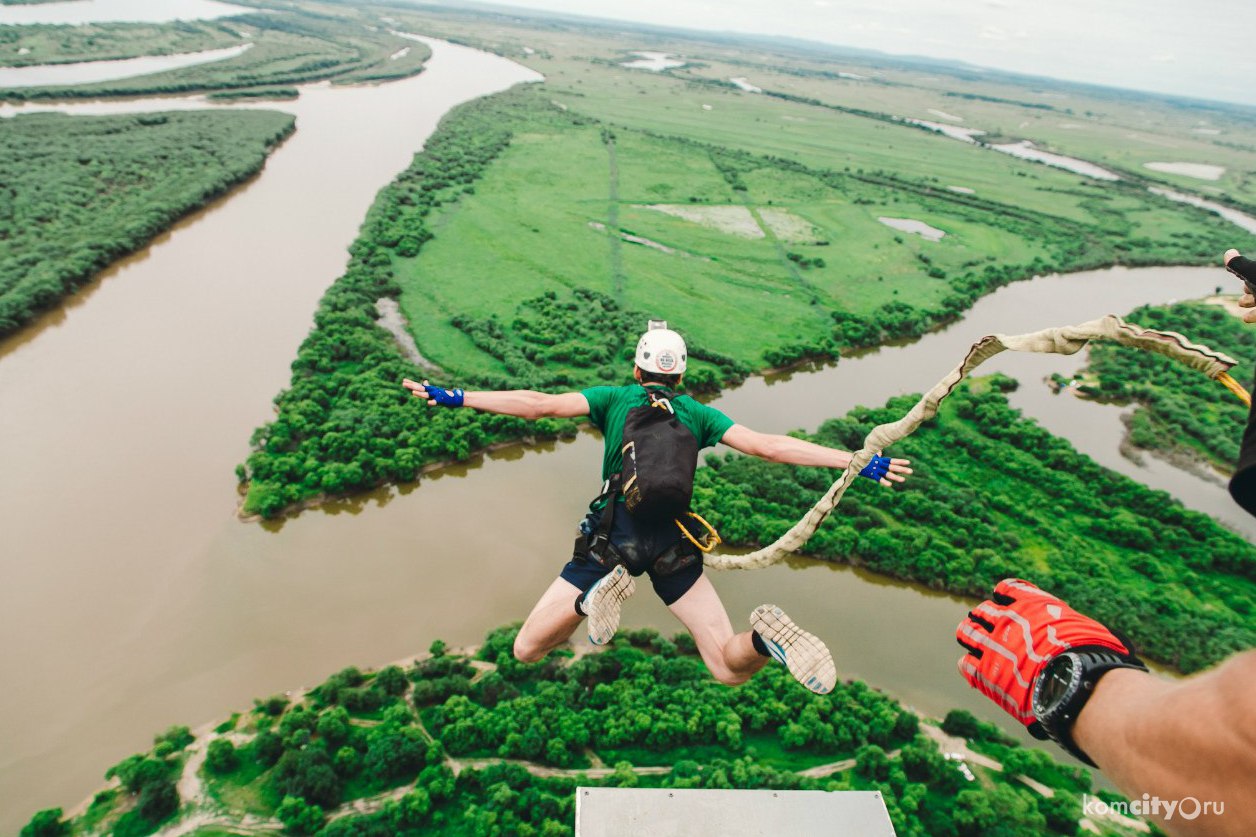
x: 1120, y: 129
x: 292, y: 46
x: 28, y: 45
x: 498, y: 748
x: 78, y: 192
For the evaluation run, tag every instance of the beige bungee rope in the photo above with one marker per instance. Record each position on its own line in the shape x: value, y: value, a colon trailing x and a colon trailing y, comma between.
x: 1065, y: 340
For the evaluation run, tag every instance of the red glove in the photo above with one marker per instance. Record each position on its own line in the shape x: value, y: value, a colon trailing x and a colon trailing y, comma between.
x: 1011, y: 637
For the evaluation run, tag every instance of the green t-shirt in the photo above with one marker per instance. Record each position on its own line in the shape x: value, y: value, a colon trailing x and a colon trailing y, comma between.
x: 609, y: 406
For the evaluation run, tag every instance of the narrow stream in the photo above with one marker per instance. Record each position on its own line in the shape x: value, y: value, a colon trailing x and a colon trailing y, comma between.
x: 87, y: 72
x: 119, y: 11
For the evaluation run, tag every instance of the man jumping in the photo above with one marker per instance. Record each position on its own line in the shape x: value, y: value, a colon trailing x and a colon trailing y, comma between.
x: 610, y: 552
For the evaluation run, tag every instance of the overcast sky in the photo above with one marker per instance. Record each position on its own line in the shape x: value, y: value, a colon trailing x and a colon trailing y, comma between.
x: 1201, y: 48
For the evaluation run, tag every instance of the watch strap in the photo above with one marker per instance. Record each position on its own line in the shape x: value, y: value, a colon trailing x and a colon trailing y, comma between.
x: 1094, y: 663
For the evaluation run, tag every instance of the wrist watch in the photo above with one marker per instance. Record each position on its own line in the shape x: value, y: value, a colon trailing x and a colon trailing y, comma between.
x: 1066, y: 683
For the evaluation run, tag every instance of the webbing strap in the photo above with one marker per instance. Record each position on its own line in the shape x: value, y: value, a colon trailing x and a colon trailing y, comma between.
x: 610, y: 493
x: 1065, y: 340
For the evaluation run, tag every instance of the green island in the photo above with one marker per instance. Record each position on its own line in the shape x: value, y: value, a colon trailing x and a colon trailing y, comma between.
x: 996, y: 496
x: 540, y: 225
x: 286, y: 46
x: 28, y: 45
x: 477, y: 743
x: 77, y: 193
x: 1179, y: 414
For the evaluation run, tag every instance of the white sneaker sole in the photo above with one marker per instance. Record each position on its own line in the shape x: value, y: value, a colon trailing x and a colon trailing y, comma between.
x: 807, y: 658
x: 603, y: 602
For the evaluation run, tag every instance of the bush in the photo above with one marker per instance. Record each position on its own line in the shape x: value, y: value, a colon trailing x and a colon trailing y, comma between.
x: 46, y: 823
x: 221, y: 757
x: 307, y: 773
x: 961, y: 723
x: 298, y: 817
x: 177, y: 738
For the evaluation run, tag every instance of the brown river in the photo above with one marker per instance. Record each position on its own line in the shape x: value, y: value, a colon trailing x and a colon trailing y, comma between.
x: 131, y: 598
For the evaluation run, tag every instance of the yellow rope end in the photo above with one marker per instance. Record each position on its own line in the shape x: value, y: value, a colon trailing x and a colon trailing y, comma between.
x: 1235, y: 387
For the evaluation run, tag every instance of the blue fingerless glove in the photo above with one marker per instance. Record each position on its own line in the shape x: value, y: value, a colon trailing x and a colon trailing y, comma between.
x: 877, y: 468
x: 447, y: 397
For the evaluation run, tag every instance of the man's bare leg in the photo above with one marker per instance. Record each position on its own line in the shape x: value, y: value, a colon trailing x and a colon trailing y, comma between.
x: 551, y: 623
x: 730, y: 657
x: 554, y: 618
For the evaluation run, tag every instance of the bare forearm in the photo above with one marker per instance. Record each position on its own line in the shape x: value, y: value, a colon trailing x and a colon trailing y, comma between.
x: 1180, y: 740
x: 791, y: 451
x: 524, y: 403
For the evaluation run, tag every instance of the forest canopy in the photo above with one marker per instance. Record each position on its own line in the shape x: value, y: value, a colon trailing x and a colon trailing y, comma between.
x: 78, y: 192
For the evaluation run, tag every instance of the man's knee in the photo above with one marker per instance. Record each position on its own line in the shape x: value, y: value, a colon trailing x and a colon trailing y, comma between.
x: 727, y: 676
x: 527, y: 651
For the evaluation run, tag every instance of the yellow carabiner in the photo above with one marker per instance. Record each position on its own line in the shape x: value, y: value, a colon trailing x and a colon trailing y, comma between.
x: 708, y: 541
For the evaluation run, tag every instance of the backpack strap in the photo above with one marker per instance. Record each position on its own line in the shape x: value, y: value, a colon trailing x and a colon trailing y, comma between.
x: 599, y: 541
x: 660, y: 396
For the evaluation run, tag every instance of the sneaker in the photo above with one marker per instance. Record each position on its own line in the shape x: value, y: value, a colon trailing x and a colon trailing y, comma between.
x: 602, y: 603
x: 806, y: 657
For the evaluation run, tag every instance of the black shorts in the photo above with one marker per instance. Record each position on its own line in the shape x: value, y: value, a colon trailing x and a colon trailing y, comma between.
x: 639, y: 545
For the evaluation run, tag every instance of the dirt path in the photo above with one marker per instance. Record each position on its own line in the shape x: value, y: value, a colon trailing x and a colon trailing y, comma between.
x: 822, y: 770
x: 612, y: 221
x: 1228, y: 302
x: 959, y: 746
x: 394, y: 322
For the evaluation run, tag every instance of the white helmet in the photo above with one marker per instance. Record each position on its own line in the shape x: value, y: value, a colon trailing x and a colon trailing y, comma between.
x: 661, y: 350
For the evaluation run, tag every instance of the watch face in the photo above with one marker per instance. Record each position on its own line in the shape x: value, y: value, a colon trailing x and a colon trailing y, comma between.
x: 1054, y: 684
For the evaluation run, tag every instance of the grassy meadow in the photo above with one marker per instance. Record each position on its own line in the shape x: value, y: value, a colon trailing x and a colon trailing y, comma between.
x: 1122, y: 130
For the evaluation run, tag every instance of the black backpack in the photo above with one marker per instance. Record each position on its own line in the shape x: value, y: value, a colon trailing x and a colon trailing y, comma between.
x: 659, y: 457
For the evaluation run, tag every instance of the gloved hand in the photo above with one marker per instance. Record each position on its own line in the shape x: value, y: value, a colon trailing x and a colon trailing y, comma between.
x: 444, y: 397
x: 877, y: 468
x: 1011, y: 637
x: 1242, y: 267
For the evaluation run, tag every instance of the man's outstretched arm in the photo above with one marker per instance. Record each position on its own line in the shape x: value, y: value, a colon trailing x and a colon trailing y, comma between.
x: 1179, y: 739
x: 1063, y: 674
x: 790, y: 451
x: 523, y: 403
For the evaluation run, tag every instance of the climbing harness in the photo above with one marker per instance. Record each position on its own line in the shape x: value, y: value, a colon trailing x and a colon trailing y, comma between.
x: 685, y: 552
x: 1065, y: 340
x: 660, y: 456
